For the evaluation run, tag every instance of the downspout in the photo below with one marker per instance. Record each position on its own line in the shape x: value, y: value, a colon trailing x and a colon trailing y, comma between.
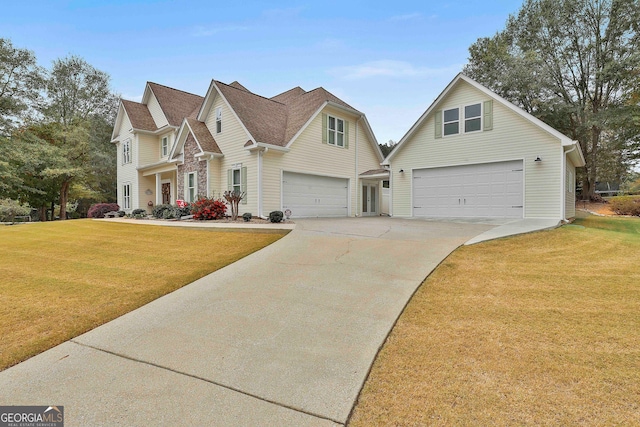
x: 260, y: 154
x: 564, y: 180
x: 357, y: 182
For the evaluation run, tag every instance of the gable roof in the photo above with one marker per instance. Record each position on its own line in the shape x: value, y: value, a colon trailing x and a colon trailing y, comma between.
x: 192, y: 128
x: 175, y: 104
x: 139, y: 115
x: 565, y: 140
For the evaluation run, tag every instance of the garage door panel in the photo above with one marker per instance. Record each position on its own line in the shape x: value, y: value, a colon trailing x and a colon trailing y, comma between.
x: 484, y: 190
x: 314, y: 195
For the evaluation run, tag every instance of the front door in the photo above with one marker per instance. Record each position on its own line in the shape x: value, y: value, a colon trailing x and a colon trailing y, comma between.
x: 369, y: 200
x: 166, y: 193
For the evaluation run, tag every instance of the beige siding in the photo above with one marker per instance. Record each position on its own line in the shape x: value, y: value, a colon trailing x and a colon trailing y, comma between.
x: 145, y: 183
x: 156, y: 111
x: 570, y: 190
x: 126, y: 173
x: 309, y: 155
x: 231, y: 142
x: 512, y: 138
x: 148, y: 149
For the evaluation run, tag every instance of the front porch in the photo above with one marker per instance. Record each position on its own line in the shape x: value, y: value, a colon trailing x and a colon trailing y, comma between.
x: 161, y: 186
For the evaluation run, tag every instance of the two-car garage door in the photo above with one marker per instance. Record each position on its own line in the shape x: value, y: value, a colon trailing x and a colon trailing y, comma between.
x: 314, y: 195
x: 488, y: 190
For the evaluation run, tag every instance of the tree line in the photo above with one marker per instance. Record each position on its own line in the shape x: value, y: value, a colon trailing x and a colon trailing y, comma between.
x: 55, y: 132
x: 574, y: 64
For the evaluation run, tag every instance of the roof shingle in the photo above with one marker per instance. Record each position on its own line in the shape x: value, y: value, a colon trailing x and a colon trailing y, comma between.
x: 204, y: 137
x: 139, y: 115
x: 175, y: 103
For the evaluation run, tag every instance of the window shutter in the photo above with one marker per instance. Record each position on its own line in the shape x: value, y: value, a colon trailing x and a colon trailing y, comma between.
x: 438, y: 124
x: 243, y: 184
x: 230, y: 179
x: 488, y: 115
x: 325, y: 124
x: 346, y: 134
x: 195, y: 186
x: 185, y: 189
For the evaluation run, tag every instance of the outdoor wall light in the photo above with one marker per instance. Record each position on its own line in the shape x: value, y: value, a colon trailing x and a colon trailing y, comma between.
x: 401, y: 171
x: 538, y: 159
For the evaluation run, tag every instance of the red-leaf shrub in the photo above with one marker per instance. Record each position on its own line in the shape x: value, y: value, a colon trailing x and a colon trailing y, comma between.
x: 99, y: 209
x: 206, y: 208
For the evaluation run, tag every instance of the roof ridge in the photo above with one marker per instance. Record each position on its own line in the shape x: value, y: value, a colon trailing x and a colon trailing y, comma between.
x: 249, y: 92
x: 173, y: 88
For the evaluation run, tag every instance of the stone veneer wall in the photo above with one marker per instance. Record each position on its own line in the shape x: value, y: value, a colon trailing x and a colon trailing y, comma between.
x: 192, y: 164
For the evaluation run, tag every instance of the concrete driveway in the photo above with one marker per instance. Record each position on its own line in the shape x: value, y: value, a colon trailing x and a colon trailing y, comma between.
x: 284, y: 337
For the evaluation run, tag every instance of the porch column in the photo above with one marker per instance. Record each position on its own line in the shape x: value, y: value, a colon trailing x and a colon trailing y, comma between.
x: 158, y: 189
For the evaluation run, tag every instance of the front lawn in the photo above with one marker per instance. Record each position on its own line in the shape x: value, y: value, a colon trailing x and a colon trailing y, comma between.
x: 538, y: 329
x: 60, y: 279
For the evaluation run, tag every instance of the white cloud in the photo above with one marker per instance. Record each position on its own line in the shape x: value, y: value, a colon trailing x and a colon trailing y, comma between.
x: 201, y: 31
x: 407, y: 17
x: 390, y: 68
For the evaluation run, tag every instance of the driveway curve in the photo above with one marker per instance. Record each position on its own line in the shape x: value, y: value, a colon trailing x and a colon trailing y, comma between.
x: 285, y: 336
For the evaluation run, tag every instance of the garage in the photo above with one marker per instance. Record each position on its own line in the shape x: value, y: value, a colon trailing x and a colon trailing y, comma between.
x: 488, y: 190
x: 314, y: 195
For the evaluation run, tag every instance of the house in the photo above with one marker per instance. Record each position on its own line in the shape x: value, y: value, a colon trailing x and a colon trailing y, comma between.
x: 307, y: 152
x: 474, y: 154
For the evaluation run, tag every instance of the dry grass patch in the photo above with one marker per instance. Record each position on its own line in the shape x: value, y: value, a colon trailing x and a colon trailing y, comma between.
x: 61, y: 279
x: 539, y: 329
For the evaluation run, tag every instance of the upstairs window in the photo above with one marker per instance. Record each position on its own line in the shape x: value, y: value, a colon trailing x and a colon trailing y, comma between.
x: 336, y: 131
x: 473, y: 118
x: 164, y: 147
x: 218, y: 119
x: 451, y: 121
x: 126, y: 152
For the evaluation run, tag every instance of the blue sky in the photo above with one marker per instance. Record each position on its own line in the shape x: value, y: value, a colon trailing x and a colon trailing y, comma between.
x: 387, y: 59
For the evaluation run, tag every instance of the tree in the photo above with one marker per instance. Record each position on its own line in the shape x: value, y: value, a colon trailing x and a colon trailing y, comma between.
x: 79, y: 100
x: 386, y: 148
x: 20, y: 81
x: 575, y: 65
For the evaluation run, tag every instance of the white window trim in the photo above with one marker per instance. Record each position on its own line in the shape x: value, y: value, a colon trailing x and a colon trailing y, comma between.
x: 218, y: 120
x: 126, y: 195
x: 462, y: 119
x: 335, y: 131
x: 126, y: 152
x: 164, y: 154
x: 481, y: 117
x: 195, y: 187
x: 233, y: 174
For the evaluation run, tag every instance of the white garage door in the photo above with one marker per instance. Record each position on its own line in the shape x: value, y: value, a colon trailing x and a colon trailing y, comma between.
x: 314, y: 195
x: 489, y: 190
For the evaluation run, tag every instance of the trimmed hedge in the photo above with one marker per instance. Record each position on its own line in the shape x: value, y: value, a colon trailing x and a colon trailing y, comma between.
x: 99, y: 209
x: 276, y: 216
x: 625, y: 205
x: 208, y: 208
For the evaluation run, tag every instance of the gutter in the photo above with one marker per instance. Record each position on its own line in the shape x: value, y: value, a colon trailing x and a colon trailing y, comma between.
x: 357, y: 183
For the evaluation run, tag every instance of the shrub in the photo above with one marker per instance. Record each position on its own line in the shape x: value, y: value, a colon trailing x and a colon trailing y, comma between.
x: 247, y: 216
x: 208, y: 208
x: 158, y: 211
x: 9, y: 209
x: 233, y: 198
x: 139, y: 213
x: 276, y: 216
x: 596, y: 198
x: 625, y: 205
x: 99, y: 209
x: 121, y: 213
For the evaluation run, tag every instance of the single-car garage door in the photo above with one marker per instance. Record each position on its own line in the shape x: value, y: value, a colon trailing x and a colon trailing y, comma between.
x: 488, y: 190
x: 314, y: 196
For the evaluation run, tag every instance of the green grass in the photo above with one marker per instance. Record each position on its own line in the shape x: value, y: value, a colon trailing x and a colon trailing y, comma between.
x: 538, y: 329
x: 61, y: 279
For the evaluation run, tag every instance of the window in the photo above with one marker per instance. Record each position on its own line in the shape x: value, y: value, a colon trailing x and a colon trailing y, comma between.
x: 385, y: 183
x: 218, y: 119
x: 473, y: 118
x: 164, y: 146
x: 126, y: 152
x: 236, y: 181
x: 126, y: 196
x: 451, y: 121
x: 336, y: 131
x: 192, y: 187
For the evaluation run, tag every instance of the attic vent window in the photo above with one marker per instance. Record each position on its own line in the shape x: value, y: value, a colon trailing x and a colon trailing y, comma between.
x: 218, y: 119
